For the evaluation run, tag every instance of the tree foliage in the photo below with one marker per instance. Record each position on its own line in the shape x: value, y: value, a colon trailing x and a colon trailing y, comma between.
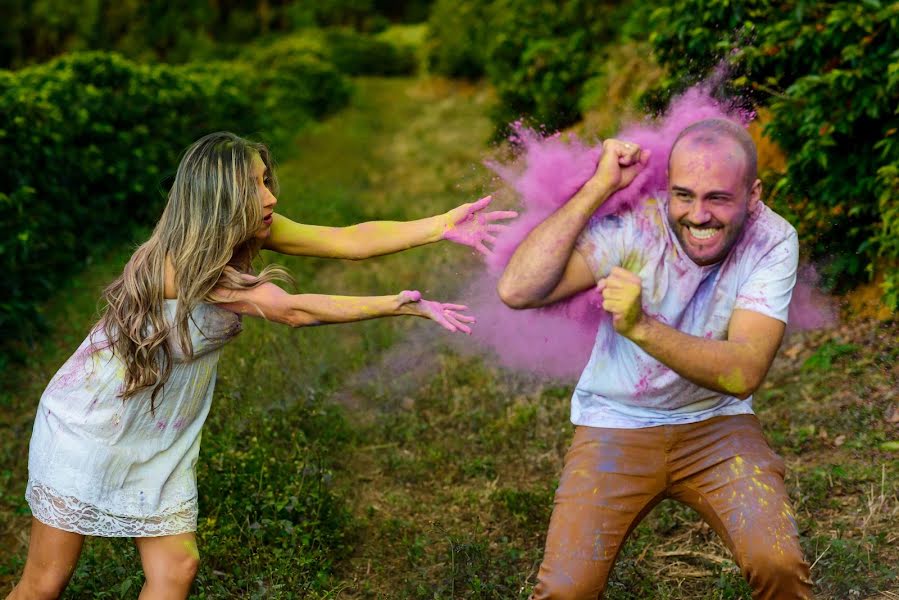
x: 829, y: 72
x: 36, y: 31
x: 537, y: 54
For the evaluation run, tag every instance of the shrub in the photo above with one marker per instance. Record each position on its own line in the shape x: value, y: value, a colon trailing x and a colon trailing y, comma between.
x: 88, y: 139
x: 361, y: 54
x: 349, y: 52
x: 457, y: 38
x: 539, y: 57
x: 830, y: 75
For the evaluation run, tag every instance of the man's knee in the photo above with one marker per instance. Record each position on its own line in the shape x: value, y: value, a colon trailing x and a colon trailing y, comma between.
x: 561, y: 587
x: 784, y: 571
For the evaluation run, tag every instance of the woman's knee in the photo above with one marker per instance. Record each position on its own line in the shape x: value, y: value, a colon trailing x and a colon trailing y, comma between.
x: 49, y: 584
x: 184, y: 570
x: 178, y: 571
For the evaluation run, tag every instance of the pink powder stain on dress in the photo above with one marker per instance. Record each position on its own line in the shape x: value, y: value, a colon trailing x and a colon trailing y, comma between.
x: 556, y: 341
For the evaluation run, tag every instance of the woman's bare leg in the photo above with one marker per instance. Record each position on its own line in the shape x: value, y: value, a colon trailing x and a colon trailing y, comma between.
x: 52, y: 556
x: 170, y: 565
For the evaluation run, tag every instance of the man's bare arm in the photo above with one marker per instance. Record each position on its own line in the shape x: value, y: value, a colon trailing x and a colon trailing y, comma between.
x: 536, y: 269
x: 735, y: 366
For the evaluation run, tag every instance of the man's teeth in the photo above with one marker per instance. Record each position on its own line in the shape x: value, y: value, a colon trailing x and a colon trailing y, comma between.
x: 702, y: 233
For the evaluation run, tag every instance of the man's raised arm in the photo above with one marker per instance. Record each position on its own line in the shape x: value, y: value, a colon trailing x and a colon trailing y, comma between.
x: 544, y: 268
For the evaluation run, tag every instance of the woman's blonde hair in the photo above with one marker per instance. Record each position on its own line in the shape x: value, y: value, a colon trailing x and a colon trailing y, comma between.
x: 207, y: 232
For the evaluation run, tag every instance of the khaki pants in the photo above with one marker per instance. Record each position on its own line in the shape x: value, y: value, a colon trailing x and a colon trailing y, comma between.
x: 721, y: 467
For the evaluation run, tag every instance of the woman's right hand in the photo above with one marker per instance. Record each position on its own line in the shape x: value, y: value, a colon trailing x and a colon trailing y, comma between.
x: 448, y: 316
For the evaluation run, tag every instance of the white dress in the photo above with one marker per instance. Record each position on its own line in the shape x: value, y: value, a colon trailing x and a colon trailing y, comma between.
x: 99, y: 465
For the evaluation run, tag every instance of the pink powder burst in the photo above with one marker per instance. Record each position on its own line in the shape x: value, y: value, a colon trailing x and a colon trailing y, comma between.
x: 556, y: 341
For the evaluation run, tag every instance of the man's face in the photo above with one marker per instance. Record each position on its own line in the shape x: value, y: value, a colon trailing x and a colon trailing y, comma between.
x: 708, y: 196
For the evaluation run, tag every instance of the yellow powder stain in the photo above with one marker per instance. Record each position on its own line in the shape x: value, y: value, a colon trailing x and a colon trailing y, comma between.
x: 733, y: 382
x: 191, y: 547
x: 633, y: 261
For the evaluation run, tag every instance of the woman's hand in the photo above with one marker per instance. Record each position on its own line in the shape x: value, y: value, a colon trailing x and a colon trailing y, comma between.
x: 446, y: 315
x: 469, y: 226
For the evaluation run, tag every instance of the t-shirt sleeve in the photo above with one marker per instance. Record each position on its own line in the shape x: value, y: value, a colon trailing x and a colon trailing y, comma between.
x: 769, y: 287
x: 603, y: 241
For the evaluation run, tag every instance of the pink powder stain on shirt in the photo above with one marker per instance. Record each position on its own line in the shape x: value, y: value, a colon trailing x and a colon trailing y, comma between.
x: 556, y: 341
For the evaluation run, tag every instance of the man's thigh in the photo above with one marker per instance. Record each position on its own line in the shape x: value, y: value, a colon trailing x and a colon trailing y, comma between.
x: 728, y: 473
x: 611, y: 479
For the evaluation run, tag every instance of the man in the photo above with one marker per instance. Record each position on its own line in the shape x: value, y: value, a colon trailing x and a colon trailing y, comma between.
x: 697, y: 285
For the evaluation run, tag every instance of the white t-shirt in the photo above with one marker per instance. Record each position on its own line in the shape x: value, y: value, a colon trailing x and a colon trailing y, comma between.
x: 624, y: 387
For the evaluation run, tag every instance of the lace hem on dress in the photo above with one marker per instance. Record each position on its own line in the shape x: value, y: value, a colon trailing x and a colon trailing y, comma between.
x: 71, y: 514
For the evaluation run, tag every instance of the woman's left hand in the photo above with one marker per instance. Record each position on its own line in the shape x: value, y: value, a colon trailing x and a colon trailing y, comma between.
x: 470, y: 226
x: 448, y: 316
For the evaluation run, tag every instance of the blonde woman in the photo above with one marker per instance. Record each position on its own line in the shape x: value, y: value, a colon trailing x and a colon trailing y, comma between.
x: 117, y: 431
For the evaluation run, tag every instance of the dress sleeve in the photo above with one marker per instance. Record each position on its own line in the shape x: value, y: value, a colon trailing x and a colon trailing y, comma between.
x: 769, y: 287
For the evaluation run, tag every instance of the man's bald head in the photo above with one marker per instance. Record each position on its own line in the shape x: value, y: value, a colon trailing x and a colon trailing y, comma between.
x: 709, y: 132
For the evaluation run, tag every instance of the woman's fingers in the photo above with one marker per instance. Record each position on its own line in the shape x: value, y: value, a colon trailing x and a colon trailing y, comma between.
x: 462, y: 327
x: 480, y: 204
x: 499, y: 215
x: 455, y: 306
x: 458, y: 324
x: 460, y: 317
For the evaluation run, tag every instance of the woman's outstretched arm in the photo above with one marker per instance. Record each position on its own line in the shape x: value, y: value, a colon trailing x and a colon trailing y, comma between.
x: 270, y: 302
x: 467, y: 224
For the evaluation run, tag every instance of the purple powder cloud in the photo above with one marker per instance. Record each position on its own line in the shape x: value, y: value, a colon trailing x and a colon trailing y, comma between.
x: 556, y: 341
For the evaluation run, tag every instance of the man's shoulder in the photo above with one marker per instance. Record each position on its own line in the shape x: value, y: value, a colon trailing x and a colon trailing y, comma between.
x: 771, y: 225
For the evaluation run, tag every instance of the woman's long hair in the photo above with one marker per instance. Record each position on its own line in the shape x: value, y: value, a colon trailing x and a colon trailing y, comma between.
x: 207, y: 232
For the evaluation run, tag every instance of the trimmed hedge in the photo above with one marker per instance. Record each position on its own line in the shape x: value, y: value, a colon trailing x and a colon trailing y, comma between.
x: 360, y: 54
x: 87, y: 141
x: 350, y: 52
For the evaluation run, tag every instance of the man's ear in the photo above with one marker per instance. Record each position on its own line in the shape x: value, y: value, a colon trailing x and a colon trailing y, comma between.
x: 755, y: 193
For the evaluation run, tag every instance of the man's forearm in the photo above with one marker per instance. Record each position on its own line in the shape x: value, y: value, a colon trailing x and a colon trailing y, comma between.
x: 539, y: 262
x: 730, y: 367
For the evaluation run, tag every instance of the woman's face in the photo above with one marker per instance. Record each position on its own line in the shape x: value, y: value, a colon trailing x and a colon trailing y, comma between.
x: 262, y: 179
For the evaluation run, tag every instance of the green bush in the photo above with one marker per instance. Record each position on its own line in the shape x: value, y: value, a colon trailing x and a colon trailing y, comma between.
x: 294, y: 76
x: 360, y: 54
x: 537, y: 54
x: 88, y: 140
x: 539, y: 57
x: 349, y: 52
x: 830, y: 75
x: 457, y: 38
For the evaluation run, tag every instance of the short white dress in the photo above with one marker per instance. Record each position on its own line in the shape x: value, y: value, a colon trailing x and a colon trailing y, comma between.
x: 99, y: 465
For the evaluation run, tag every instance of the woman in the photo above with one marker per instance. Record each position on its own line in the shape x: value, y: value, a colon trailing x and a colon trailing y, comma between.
x: 117, y: 432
